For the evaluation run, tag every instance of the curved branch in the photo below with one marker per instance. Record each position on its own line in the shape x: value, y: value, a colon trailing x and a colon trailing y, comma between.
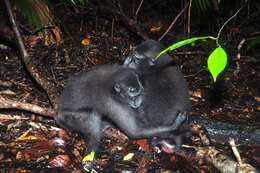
x: 6, y: 103
x: 173, y: 22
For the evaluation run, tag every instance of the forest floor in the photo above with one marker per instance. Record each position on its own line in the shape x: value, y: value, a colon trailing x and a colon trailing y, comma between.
x: 31, y: 143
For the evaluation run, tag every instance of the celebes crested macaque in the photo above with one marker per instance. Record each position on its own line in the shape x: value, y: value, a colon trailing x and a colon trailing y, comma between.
x: 108, y: 94
x: 166, y: 94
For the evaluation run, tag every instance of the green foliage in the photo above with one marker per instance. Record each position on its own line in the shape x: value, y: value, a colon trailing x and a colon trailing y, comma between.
x: 253, y: 43
x: 29, y: 12
x: 182, y: 43
x: 217, y: 62
x: 36, y: 12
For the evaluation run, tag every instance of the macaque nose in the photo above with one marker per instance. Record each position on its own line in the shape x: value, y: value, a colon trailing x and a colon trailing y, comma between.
x: 133, y: 90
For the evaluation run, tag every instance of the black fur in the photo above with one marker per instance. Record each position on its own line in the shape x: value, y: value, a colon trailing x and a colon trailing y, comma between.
x: 91, y: 99
x: 166, y: 92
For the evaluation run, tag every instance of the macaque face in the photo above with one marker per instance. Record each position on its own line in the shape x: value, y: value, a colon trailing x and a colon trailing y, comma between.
x: 138, y: 60
x: 130, y: 91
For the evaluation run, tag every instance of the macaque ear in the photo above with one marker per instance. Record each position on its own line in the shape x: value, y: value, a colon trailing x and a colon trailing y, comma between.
x: 117, y: 87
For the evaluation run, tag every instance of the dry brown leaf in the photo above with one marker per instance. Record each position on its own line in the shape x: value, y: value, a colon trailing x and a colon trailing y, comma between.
x: 63, y: 161
x: 155, y: 28
x: 86, y: 41
x: 143, y: 145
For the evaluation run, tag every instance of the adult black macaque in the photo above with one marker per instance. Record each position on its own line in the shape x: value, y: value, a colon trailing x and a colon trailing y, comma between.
x: 166, y: 94
x: 106, y: 94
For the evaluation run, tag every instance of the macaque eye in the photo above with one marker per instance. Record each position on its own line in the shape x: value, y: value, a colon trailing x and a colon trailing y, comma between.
x: 117, y: 87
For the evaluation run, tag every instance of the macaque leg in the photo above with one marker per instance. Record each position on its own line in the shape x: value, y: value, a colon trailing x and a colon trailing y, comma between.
x: 182, y: 132
x: 93, y: 126
x: 180, y: 119
x: 87, y: 122
x: 174, y: 139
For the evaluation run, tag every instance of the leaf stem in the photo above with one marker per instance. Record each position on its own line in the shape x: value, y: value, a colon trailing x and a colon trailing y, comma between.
x: 220, y: 30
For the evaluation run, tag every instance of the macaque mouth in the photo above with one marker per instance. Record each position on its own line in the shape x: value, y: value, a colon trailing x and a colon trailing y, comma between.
x: 136, y: 101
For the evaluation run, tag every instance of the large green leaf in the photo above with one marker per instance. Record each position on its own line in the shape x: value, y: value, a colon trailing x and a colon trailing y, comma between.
x: 217, y: 62
x: 182, y: 43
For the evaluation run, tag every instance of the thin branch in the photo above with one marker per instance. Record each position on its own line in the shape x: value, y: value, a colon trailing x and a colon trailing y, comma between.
x: 174, y: 21
x: 6, y: 103
x: 189, y: 12
x: 17, y: 33
x: 131, y: 23
x: 138, y: 9
x: 220, y: 30
x: 235, y: 150
x: 48, y: 87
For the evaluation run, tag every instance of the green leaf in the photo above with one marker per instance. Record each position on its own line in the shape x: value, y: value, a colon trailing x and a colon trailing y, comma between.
x: 217, y: 62
x: 183, y: 43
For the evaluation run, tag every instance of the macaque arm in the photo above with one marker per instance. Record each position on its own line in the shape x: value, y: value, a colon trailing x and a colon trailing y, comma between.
x: 151, y: 132
x: 135, y: 130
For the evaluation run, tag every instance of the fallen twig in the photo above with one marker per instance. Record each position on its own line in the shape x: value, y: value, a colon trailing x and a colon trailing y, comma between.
x: 10, y: 104
x: 221, y: 161
x: 235, y: 150
x: 211, y: 155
